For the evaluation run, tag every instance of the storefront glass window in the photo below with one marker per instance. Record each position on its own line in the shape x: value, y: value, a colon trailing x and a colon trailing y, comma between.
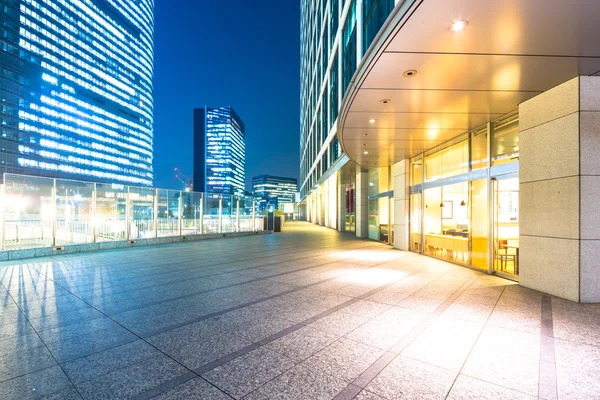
x: 448, y: 161
x: 505, y: 140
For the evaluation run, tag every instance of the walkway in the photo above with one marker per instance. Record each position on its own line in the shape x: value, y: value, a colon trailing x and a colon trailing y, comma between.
x: 305, y: 314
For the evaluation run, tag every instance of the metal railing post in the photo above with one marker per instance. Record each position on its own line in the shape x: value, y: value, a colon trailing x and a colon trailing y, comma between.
x: 155, y: 212
x: 220, y: 214
x: 180, y: 219
x: 94, y: 216
x: 238, y: 215
x: 253, y: 216
x: 2, y: 215
x: 53, y: 194
x: 127, y: 216
x: 202, y: 214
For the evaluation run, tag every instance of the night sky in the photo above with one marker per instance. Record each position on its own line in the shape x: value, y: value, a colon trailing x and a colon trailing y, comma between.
x: 241, y: 53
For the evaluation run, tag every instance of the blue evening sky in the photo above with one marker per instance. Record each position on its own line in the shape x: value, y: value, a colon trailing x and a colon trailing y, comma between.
x: 243, y: 53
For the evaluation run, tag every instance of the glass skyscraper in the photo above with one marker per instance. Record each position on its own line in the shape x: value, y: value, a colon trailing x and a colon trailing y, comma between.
x: 332, y: 44
x: 274, y: 190
x: 76, y: 89
x: 219, y: 151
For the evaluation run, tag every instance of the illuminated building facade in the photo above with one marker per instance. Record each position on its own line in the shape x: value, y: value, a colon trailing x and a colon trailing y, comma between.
x: 219, y: 151
x: 274, y: 190
x: 76, y: 89
x: 458, y: 130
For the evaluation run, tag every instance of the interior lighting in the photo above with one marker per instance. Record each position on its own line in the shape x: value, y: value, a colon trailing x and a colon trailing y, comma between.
x: 366, y: 152
x: 458, y: 26
x: 371, y: 121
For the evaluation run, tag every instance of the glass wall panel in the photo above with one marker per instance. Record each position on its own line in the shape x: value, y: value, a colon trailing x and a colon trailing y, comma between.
x: 229, y: 213
x: 506, y: 225
x: 379, y: 208
x: 111, y: 212
x: 415, y: 222
x: 478, y: 203
x: 211, y: 213
x: 29, y: 212
x: 192, y: 223
x: 479, y: 150
x: 168, y: 213
x: 141, y: 213
x: 505, y: 140
x: 448, y: 161
x: 74, y: 212
x: 416, y: 170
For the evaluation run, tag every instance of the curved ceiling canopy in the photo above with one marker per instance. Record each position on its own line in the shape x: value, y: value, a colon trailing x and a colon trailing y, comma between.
x: 508, y: 52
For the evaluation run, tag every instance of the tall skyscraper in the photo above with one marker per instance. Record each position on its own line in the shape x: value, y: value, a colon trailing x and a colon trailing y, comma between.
x: 76, y: 89
x: 274, y: 190
x: 219, y: 151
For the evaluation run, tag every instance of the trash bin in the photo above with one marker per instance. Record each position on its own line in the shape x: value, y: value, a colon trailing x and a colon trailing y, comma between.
x: 277, y: 224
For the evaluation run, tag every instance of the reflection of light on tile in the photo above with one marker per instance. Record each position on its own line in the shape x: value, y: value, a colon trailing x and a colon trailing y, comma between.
x: 372, y: 276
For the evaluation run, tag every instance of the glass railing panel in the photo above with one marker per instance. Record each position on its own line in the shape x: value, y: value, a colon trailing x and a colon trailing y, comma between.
x: 141, y: 213
x: 211, y: 213
x: 74, y: 212
x: 168, y: 212
x: 29, y: 210
x: 111, y: 212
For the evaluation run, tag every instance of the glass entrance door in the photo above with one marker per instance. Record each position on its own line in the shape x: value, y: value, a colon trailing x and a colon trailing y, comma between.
x: 505, y: 225
x: 416, y: 206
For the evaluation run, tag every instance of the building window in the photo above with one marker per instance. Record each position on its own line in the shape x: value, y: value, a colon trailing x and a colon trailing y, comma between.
x: 334, y: 17
x: 375, y: 12
x: 333, y: 92
x: 349, y: 47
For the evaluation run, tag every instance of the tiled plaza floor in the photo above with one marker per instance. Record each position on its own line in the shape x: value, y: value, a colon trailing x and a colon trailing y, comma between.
x: 306, y: 314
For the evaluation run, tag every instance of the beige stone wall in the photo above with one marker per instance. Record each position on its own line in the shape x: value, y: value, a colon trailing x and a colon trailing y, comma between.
x: 560, y: 190
x: 362, y: 203
x: 401, y: 199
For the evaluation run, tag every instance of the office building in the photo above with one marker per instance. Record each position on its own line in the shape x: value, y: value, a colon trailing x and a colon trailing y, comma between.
x: 76, y: 89
x: 219, y: 151
x: 463, y: 130
x: 274, y: 190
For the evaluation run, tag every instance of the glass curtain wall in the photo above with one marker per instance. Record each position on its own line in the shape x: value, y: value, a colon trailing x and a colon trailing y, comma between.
x: 379, y: 205
x: 464, y: 210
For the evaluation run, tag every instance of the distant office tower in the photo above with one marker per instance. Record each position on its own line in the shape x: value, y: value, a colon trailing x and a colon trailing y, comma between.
x: 274, y: 190
x: 76, y: 89
x: 219, y: 151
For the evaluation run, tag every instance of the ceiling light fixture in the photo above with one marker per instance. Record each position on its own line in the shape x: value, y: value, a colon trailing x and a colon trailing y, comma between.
x: 366, y: 134
x: 458, y: 26
x: 385, y: 101
x: 372, y: 121
x: 366, y: 152
x: 410, y: 73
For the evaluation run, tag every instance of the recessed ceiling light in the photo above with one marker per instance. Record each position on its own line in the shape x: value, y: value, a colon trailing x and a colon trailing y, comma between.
x: 372, y: 121
x: 366, y: 134
x: 410, y: 73
x: 385, y: 101
x: 364, y: 144
x: 366, y: 152
x: 458, y: 26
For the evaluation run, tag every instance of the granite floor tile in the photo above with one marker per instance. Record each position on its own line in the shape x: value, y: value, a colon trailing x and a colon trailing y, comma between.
x: 97, y: 364
x: 35, y: 385
x: 194, y: 352
x: 506, y: 358
x: 366, y: 395
x: 248, y: 372
x: 467, y: 388
x: 339, y: 323
x: 131, y: 380
x: 195, y: 389
x: 22, y: 362
x: 300, y: 383
x: 345, y: 359
x: 303, y: 343
x: 445, y: 343
x: 405, y: 378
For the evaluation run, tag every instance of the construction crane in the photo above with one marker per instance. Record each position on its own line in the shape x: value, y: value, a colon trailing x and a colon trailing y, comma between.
x: 187, y: 182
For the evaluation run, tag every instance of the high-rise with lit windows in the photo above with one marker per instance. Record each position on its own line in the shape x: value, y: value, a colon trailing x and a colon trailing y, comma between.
x: 219, y: 151
x: 465, y: 130
x: 76, y: 89
x: 274, y: 190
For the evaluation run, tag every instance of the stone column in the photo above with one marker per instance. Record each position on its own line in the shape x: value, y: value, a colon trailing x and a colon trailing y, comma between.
x: 560, y: 190
x: 341, y: 206
x: 401, y: 198
x: 362, y: 203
